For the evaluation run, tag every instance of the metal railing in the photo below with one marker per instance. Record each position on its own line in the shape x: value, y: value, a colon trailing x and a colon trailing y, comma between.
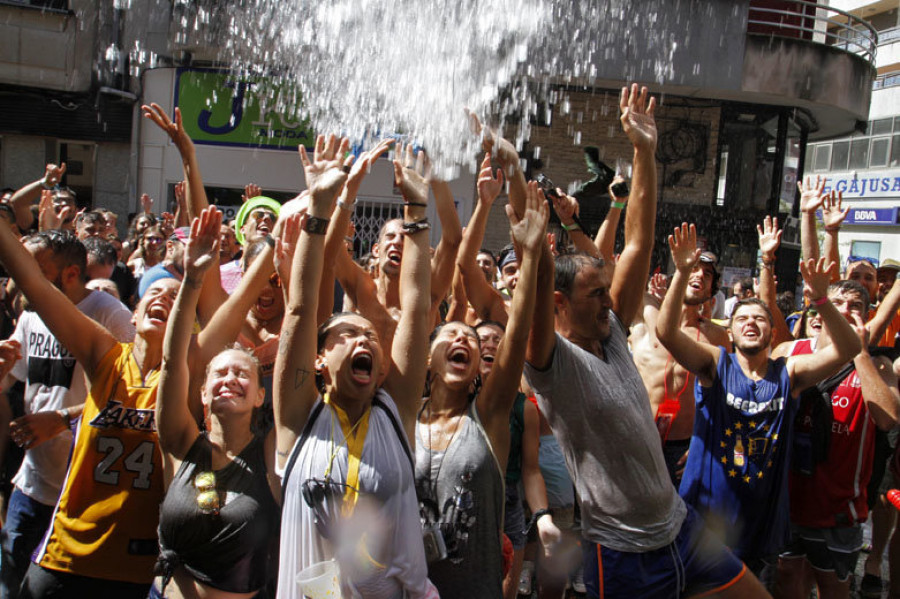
x: 815, y: 23
x: 886, y: 80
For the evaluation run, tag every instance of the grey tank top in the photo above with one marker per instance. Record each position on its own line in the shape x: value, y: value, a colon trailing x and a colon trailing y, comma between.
x: 461, y: 489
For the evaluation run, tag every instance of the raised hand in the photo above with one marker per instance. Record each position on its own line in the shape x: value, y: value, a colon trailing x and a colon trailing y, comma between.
x: 326, y: 172
x: 637, y: 108
x: 53, y: 175
x: 203, y: 245
x: 494, y: 144
x: 817, y: 276
x: 811, y: 193
x: 363, y: 165
x: 48, y: 219
x: 769, y: 237
x: 832, y: 214
x: 683, y: 244
x: 412, y: 175
x: 566, y: 207
x: 173, y: 128
x: 10, y: 353
x: 251, y: 190
x: 33, y: 429
x: 658, y: 285
x: 489, y: 186
x: 528, y: 232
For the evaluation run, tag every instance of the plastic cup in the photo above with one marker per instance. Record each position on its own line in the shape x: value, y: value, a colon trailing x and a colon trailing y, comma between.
x: 320, y: 581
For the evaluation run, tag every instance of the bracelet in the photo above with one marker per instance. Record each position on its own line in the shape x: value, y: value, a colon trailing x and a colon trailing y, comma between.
x: 819, y: 301
x: 833, y: 229
x: 413, y: 227
x: 572, y: 227
x: 316, y: 225
x: 535, y: 517
x: 345, y: 206
x: 422, y: 204
x: 768, y: 263
x: 47, y: 187
x: 619, y: 205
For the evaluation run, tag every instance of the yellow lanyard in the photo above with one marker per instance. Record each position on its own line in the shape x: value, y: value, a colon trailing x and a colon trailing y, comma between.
x: 354, y: 440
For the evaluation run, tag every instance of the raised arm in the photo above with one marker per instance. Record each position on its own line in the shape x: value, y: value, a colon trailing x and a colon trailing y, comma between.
x: 406, y: 378
x: 485, y: 300
x: 501, y: 387
x: 24, y: 197
x: 811, y: 198
x: 85, y: 339
x: 832, y: 217
x: 633, y: 267
x: 176, y: 426
x: 699, y: 358
x: 887, y: 311
x: 808, y: 369
x: 877, y: 380
x: 506, y: 154
x: 196, y: 200
x: 606, y: 236
x: 567, y: 209
x: 443, y: 265
x: 294, y: 379
x: 769, y: 236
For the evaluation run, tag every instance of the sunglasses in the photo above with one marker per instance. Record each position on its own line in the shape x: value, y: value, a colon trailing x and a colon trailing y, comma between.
x: 261, y: 215
x: 325, y: 498
x: 812, y: 312
x: 275, y: 280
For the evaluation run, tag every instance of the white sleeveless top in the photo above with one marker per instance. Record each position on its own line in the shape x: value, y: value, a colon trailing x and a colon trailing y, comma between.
x: 385, y: 520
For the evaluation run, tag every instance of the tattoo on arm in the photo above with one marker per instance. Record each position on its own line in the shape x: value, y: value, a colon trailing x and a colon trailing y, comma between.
x: 300, y: 377
x: 283, y: 454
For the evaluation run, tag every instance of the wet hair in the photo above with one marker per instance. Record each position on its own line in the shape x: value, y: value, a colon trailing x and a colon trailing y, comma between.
x: 437, y: 331
x: 753, y: 301
x: 67, y: 250
x: 569, y: 265
x: 325, y: 327
x: 102, y: 250
x: 847, y: 286
x: 241, y: 350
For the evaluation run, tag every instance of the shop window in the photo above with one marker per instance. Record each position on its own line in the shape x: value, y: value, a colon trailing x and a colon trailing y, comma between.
x: 840, y: 155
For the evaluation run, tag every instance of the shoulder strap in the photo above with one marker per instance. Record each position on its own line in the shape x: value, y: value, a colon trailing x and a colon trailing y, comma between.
x: 307, y: 429
x: 376, y: 401
x: 827, y: 386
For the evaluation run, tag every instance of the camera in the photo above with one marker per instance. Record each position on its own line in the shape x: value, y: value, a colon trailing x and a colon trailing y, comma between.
x: 620, y: 189
x: 547, y: 186
x: 435, y: 547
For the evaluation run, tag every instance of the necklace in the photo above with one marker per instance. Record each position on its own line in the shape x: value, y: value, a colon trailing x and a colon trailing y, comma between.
x: 432, y: 484
x: 354, y: 439
x: 144, y: 377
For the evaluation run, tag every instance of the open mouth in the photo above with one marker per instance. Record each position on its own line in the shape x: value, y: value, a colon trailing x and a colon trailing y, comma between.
x: 459, y: 358
x: 487, y: 359
x: 158, y: 312
x: 361, y: 368
x: 265, y: 302
x: 394, y: 257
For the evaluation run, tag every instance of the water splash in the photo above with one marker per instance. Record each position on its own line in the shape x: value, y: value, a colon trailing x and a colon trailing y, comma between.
x: 367, y: 68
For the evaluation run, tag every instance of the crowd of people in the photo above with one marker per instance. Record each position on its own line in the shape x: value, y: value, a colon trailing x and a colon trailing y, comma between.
x: 210, y: 408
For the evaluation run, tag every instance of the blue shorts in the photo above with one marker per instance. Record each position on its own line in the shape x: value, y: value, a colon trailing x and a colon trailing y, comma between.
x: 695, y: 563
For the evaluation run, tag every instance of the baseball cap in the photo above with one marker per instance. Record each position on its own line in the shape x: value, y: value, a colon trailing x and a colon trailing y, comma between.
x: 181, y: 234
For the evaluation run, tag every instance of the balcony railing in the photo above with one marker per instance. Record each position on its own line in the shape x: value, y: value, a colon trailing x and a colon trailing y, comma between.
x: 815, y: 23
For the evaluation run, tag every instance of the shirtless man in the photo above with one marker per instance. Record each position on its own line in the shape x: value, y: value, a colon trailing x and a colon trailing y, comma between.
x: 669, y: 385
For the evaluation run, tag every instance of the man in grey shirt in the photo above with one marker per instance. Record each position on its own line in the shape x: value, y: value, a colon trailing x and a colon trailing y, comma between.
x: 640, y: 540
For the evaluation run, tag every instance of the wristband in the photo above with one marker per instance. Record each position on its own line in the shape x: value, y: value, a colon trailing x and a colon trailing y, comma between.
x: 572, y: 227
x: 316, y: 225
x: 413, y: 227
x: 349, y: 207
x: 47, y: 187
x: 619, y: 205
x: 422, y: 204
x: 833, y: 229
x: 819, y: 301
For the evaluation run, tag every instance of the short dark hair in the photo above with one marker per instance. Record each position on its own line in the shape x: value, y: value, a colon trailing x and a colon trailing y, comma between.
x: 101, y: 249
x: 489, y: 253
x: 66, y: 249
x: 92, y: 217
x: 252, y: 251
x: 569, y: 265
x: 848, y: 286
x: 490, y: 323
x: 753, y: 301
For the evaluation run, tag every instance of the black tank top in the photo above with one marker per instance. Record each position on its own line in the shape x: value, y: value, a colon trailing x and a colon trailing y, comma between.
x: 234, y: 550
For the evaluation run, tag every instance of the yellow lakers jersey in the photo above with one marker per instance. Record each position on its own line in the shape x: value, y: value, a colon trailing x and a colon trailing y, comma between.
x: 104, y: 525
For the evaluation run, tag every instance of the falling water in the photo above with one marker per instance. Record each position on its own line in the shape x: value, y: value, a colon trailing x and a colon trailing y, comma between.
x: 367, y: 68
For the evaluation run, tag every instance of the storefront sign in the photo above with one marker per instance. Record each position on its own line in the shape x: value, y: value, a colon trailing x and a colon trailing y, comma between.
x: 871, y: 216
x: 219, y: 109
x: 883, y: 184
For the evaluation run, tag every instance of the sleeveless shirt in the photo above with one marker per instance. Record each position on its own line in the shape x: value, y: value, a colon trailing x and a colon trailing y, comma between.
x: 233, y: 549
x: 739, y: 457
x: 461, y: 489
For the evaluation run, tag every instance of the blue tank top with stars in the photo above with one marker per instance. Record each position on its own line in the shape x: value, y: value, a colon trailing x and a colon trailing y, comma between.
x: 737, y: 468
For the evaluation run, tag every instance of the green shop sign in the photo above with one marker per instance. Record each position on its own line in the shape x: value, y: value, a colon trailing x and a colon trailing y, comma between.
x: 219, y: 109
